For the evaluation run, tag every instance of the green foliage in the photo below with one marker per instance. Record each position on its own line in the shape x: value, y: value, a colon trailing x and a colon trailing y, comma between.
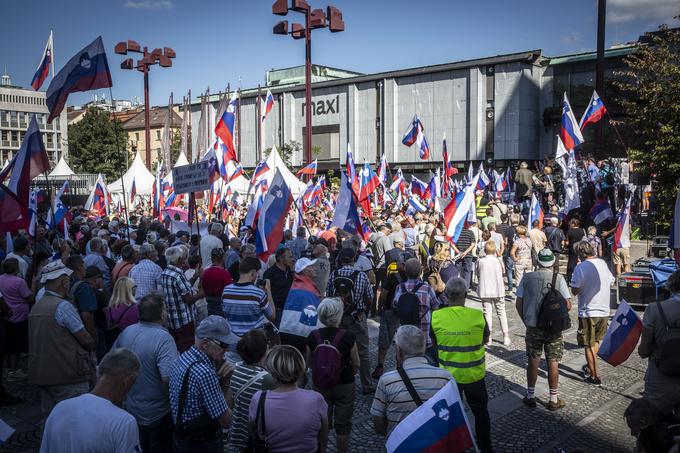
x: 649, y: 94
x: 286, y: 151
x: 92, y: 145
x: 176, y: 144
x: 333, y: 179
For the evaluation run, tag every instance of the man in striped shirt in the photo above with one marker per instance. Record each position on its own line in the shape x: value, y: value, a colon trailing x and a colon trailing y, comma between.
x: 393, y: 402
x: 246, y: 306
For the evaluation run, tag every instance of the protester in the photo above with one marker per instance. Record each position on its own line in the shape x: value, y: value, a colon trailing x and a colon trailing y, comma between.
x: 389, y: 320
x: 82, y: 293
x: 524, y: 185
x: 464, y: 248
x: 298, y: 245
x: 574, y: 235
x: 458, y: 336
x: 98, y: 249
x: 538, y: 238
x: 508, y: 259
x: 595, y: 242
x: 591, y: 282
x: 211, y: 241
x: 213, y: 280
x: 123, y: 310
x: 148, y: 399
x: 18, y: 297
x: 280, y: 277
x: 94, y: 421
x: 299, y: 316
x: 555, y: 238
x: 296, y: 420
x: 125, y: 265
x: 492, y: 290
x: 521, y: 253
x: 146, y: 273
x: 530, y: 293
x: 247, y: 251
x: 20, y: 253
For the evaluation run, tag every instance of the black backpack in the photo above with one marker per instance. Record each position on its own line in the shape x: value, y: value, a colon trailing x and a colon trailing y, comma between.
x: 344, y: 288
x: 553, y: 315
x: 667, y: 358
x: 408, y: 306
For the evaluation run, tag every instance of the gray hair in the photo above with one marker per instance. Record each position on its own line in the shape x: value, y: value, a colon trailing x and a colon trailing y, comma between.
x: 151, y: 307
x: 174, y: 255
x: 216, y: 229
x: 151, y: 236
x: 146, y: 250
x: 584, y: 250
x: 411, y: 341
x: 118, y: 364
x: 413, y: 268
x: 247, y: 248
x: 455, y: 289
x: 330, y: 311
x: 96, y: 244
x: 514, y: 219
x: 285, y: 363
x: 554, y: 221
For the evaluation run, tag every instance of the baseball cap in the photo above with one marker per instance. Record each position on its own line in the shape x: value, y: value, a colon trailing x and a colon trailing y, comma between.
x: 54, y: 270
x: 347, y: 254
x: 546, y: 258
x: 302, y: 264
x: 216, y: 328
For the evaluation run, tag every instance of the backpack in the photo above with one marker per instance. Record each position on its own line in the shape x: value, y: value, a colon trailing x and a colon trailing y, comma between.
x: 344, y: 287
x: 666, y: 357
x: 326, y: 360
x: 408, y: 306
x: 553, y: 315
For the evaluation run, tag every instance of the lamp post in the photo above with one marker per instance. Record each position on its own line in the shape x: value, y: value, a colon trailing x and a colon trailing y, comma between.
x: 162, y: 57
x: 313, y: 19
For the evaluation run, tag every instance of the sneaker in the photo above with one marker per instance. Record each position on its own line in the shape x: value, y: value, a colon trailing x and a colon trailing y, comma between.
x: 593, y: 380
x: 530, y: 402
x: 557, y: 405
x: 379, y: 370
x: 586, y: 371
x: 507, y: 341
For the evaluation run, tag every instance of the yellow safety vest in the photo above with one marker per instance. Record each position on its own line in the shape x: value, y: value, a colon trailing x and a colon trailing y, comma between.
x: 481, y: 206
x: 459, y: 332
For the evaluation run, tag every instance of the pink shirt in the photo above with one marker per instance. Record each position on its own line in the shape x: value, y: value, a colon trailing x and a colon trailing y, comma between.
x: 15, y: 291
x: 123, y: 315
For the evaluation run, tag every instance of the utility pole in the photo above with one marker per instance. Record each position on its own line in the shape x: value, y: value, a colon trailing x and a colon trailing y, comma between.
x: 599, y: 75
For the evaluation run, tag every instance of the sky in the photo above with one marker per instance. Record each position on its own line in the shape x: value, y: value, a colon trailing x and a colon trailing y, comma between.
x: 221, y: 41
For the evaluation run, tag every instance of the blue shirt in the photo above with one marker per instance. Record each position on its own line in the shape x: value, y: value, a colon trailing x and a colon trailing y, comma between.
x: 204, y: 395
x: 245, y: 307
x: 84, y: 296
x: 148, y: 399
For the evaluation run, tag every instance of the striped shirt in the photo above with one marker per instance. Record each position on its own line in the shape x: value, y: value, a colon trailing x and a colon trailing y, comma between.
x: 392, y: 399
x: 465, y: 240
x: 245, y: 307
x: 428, y: 302
x: 238, y: 434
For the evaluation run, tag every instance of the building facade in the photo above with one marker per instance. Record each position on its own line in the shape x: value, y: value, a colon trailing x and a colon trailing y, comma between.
x: 136, y: 133
x: 17, y: 106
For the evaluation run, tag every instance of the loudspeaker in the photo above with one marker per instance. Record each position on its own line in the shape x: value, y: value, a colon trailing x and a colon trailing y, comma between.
x: 639, y: 180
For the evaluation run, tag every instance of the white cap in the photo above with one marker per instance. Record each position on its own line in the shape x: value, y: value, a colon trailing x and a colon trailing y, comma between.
x: 302, y: 264
x: 54, y: 270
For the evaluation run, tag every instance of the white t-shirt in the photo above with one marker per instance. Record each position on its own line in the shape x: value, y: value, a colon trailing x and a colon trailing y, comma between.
x: 89, y: 424
x: 208, y: 243
x: 594, y: 280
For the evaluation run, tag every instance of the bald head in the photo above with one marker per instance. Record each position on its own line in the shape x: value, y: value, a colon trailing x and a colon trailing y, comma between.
x: 413, y: 268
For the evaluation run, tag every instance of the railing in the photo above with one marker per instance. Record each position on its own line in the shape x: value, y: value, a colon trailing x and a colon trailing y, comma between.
x: 78, y: 184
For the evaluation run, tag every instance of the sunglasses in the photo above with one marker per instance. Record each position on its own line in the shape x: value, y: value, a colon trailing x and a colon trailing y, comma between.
x: 219, y: 343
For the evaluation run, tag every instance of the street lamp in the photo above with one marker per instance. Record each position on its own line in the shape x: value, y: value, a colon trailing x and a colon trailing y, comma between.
x: 313, y: 19
x: 162, y: 57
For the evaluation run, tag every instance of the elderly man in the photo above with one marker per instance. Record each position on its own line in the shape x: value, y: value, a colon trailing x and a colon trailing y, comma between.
x: 530, y: 292
x: 146, y: 273
x: 179, y: 298
x: 95, y: 421
x: 210, y: 242
x: 96, y: 258
x: 459, y: 334
x: 393, y: 401
x: 299, y: 244
x: 148, y: 400
x: 58, y: 347
x: 199, y: 384
x: 299, y: 317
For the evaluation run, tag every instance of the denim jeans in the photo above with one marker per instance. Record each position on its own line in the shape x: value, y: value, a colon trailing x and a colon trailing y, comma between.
x: 509, y: 271
x: 466, y: 268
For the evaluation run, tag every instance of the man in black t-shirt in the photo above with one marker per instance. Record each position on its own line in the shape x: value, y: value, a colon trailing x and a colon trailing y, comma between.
x: 509, y: 237
x: 464, y: 246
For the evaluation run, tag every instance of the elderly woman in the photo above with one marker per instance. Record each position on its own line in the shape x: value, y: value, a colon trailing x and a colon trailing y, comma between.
x: 17, y: 296
x: 339, y: 397
x: 491, y: 289
x: 296, y: 419
x: 249, y: 377
x: 521, y: 253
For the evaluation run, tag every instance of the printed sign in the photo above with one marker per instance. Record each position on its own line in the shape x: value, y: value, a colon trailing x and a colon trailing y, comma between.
x: 191, y: 178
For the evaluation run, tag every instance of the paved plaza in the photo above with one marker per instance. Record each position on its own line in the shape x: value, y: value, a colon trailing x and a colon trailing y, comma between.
x: 592, y: 420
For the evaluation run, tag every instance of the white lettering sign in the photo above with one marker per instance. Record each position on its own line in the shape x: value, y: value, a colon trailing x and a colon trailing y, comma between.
x: 191, y: 178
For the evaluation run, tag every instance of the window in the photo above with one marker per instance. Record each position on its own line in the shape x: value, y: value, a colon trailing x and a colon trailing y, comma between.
x: 15, y: 136
x: 158, y: 134
x: 136, y: 136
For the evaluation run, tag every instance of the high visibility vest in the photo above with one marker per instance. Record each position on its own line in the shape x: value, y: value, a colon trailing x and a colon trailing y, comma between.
x: 459, y: 332
x: 481, y: 206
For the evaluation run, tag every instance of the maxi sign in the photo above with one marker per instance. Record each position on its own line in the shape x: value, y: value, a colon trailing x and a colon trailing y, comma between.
x: 191, y: 178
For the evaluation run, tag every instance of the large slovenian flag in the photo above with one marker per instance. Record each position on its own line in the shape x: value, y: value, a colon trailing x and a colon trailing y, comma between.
x: 601, y: 211
x: 299, y: 316
x: 622, y: 233
x: 268, y: 104
x: 570, y: 133
x: 535, y: 213
x: 594, y: 113
x: 86, y: 70
x: 456, y: 212
x: 275, y: 207
x: 674, y: 237
x: 622, y: 335
x: 310, y: 170
x: 224, y: 129
x: 346, y: 215
x: 421, y: 142
x: 44, y: 67
x: 438, y: 426
x: 369, y: 182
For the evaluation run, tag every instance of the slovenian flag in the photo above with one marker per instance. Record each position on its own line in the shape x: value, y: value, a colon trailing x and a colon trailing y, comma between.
x: 594, y: 113
x: 268, y: 104
x: 418, y: 187
x: 421, y: 142
x: 622, y: 233
x: 411, y: 133
x: 275, y: 207
x: 299, y: 316
x: 483, y: 181
x: 535, y: 213
x: 346, y: 215
x: 44, y: 67
x: 438, y: 426
x: 224, y: 129
x: 601, y: 211
x: 622, y: 335
x: 308, y: 170
x: 570, y: 133
x: 456, y: 212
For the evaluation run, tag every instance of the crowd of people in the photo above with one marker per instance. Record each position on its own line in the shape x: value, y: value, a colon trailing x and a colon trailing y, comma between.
x: 139, y: 338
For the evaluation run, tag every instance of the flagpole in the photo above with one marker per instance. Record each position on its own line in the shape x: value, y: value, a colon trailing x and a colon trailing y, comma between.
x: 49, y: 194
x: 52, y: 50
x: 122, y: 180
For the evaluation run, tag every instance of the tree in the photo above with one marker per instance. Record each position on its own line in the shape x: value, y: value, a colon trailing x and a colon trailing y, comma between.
x: 286, y: 151
x: 176, y: 144
x: 93, y: 146
x: 649, y: 95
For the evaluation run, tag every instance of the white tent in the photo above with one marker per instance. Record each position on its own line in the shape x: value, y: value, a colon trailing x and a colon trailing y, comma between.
x: 61, y: 169
x: 142, y: 177
x: 274, y: 161
x: 181, y: 160
x: 239, y: 184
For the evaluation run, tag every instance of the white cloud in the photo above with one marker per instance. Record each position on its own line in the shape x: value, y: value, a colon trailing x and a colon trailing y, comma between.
x: 572, y: 38
x: 150, y: 5
x: 662, y: 11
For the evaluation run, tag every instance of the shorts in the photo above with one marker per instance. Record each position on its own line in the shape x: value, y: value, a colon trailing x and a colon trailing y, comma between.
x: 389, y: 323
x: 538, y: 342
x: 340, y: 400
x: 591, y: 330
x: 621, y: 257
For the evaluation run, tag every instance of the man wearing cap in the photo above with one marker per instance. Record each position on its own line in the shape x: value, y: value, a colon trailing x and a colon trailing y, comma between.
x: 214, y: 279
x: 199, y: 383
x: 58, y: 347
x: 530, y: 292
x: 299, y: 317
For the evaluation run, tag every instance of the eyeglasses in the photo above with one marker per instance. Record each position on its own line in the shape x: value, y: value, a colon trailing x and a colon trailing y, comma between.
x: 219, y: 343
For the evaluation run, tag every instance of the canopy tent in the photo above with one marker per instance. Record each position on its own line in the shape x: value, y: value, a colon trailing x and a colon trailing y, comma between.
x: 61, y: 169
x: 181, y: 160
x: 274, y: 161
x: 142, y: 177
x: 239, y: 184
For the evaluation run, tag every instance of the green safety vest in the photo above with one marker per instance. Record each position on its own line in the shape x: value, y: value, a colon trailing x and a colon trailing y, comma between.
x: 460, y: 342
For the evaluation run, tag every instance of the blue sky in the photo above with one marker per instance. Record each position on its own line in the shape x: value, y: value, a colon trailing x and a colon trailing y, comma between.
x: 218, y: 41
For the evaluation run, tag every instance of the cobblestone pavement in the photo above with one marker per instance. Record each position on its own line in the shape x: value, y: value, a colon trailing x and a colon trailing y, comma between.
x: 592, y: 420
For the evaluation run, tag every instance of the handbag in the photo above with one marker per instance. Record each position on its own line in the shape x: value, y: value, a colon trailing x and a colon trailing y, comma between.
x: 257, y: 444
x: 200, y: 429
x: 435, y: 278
